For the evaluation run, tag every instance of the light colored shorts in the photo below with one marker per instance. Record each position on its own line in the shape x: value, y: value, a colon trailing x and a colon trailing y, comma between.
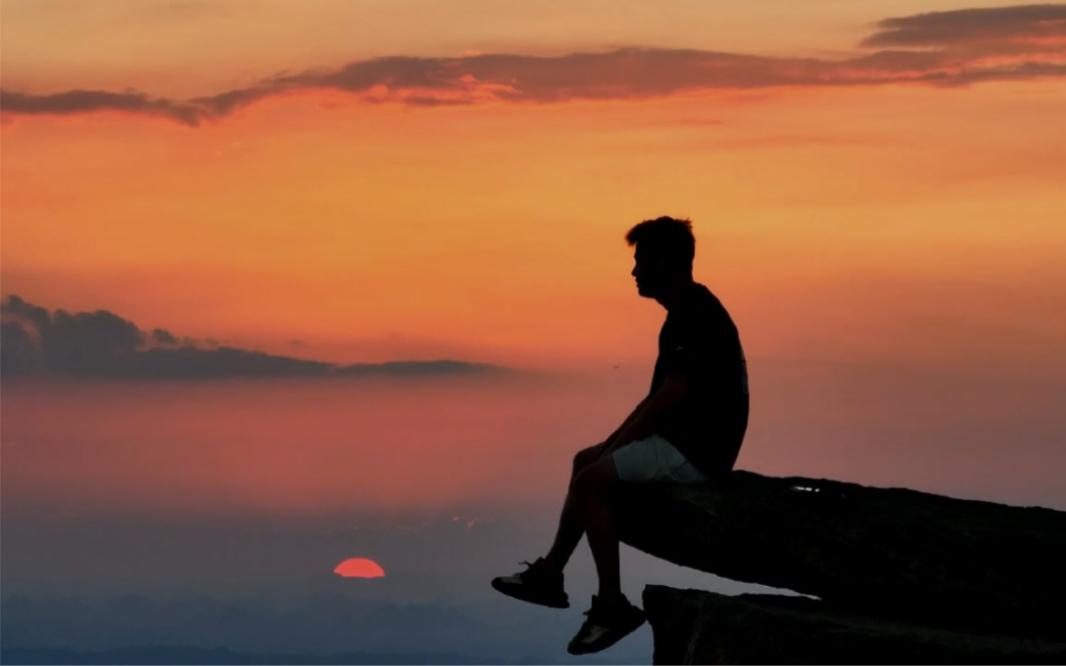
x: 654, y: 459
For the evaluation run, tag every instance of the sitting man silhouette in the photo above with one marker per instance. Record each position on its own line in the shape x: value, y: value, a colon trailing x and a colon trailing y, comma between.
x: 687, y: 430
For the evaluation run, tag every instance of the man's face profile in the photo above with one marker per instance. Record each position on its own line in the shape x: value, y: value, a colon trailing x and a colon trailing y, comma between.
x: 650, y: 271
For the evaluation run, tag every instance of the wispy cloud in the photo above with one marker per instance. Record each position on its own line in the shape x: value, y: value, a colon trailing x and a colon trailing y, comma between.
x: 943, y: 48
x: 100, y: 344
x: 1039, y: 26
x: 87, y: 101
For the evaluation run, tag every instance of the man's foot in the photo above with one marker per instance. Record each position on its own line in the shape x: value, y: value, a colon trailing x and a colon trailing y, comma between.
x: 606, y: 625
x: 537, y: 585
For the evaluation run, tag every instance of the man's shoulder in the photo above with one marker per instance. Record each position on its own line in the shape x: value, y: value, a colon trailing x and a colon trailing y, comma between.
x: 705, y: 297
x: 703, y: 307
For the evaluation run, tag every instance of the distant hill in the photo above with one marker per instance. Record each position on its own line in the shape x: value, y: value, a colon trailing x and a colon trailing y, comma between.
x: 194, y: 655
x: 103, y: 345
x: 327, y: 629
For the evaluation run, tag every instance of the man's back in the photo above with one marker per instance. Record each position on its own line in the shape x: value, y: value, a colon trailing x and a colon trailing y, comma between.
x: 700, y: 341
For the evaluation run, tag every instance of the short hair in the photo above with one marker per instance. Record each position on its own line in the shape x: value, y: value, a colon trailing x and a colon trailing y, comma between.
x: 669, y: 236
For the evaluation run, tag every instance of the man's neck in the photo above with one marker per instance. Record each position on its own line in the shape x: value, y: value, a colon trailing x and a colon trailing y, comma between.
x: 674, y: 295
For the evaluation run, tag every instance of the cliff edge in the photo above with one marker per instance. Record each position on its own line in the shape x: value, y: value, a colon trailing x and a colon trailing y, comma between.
x: 956, y: 580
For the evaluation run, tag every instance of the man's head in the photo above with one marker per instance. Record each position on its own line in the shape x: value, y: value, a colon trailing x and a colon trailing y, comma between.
x: 665, y: 248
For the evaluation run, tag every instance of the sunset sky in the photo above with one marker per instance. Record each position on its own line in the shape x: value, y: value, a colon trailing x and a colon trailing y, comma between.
x: 385, y: 192
x: 876, y: 190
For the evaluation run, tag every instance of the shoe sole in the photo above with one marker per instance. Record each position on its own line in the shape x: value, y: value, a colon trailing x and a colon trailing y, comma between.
x: 517, y: 593
x: 606, y: 641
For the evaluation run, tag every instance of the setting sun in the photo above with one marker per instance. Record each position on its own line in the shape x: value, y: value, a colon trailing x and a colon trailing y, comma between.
x: 359, y: 567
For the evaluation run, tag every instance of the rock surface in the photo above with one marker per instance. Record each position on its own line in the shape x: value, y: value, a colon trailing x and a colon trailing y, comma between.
x: 695, y: 627
x: 887, y: 552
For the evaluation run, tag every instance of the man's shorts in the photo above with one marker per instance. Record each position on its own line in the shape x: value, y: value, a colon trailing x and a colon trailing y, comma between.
x: 654, y: 459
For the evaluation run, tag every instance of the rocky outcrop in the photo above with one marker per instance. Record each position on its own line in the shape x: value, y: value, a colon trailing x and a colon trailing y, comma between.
x: 893, y: 555
x: 695, y: 627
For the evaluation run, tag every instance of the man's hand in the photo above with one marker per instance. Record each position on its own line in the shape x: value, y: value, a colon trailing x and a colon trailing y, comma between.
x: 586, y: 457
x: 640, y: 423
x: 637, y: 425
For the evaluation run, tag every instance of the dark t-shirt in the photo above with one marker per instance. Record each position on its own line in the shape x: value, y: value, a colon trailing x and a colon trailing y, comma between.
x: 700, y: 341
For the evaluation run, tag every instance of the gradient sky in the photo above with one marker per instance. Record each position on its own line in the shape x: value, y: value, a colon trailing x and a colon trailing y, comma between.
x: 876, y: 192
x: 827, y: 213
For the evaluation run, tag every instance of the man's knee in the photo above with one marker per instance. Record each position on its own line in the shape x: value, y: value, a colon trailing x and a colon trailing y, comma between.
x: 592, y: 479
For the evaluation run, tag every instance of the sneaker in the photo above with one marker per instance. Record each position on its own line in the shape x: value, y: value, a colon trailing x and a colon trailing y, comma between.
x: 536, y: 584
x: 605, y: 626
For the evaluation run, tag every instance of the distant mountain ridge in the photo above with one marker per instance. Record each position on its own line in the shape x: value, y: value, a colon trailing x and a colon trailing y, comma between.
x: 100, y: 344
x: 193, y: 655
x: 326, y: 629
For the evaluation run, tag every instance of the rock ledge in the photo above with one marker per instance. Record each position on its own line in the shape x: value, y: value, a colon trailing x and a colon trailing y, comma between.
x: 953, y: 579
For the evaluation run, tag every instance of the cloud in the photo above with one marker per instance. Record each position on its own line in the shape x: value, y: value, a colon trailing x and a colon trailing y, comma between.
x: 163, y: 337
x: 956, y: 48
x: 101, y: 344
x: 413, y: 368
x: 1040, y: 25
x: 86, y: 101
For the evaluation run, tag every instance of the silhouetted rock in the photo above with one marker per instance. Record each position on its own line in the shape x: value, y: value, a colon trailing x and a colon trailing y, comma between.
x: 886, y: 552
x: 696, y: 627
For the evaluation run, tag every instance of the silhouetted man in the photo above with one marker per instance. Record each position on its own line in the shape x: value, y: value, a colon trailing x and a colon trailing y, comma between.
x: 687, y: 430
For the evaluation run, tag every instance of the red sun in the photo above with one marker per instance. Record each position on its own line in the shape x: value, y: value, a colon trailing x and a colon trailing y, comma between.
x: 359, y: 567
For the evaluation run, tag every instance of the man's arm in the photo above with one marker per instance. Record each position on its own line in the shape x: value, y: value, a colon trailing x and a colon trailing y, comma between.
x: 629, y: 419
x: 639, y: 423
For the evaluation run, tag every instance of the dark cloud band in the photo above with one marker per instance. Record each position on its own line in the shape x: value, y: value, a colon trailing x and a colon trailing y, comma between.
x: 954, y: 48
x: 102, y: 345
x: 1028, y: 23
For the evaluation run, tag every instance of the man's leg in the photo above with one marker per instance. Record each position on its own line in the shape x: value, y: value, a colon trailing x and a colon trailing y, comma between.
x: 611, y: 616
x: 571, y: 523
x: 589, y: 492
x: 542, y: 582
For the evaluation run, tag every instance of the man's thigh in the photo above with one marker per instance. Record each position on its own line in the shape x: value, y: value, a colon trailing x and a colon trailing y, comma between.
x: 653, y: 459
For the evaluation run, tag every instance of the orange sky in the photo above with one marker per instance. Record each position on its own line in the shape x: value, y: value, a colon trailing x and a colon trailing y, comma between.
x: 188, y: 48
x: 915, y: 222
